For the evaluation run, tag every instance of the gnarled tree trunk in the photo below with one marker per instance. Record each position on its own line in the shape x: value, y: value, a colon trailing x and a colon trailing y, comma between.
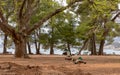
x: 20, y: 46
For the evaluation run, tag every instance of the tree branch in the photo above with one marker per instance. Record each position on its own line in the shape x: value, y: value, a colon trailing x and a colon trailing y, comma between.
x: 113, y: 19
x: 37, y: 25
x: 4, y: 25
x: 21, y: 10
x: 27, y: 14
x: 7, y: 29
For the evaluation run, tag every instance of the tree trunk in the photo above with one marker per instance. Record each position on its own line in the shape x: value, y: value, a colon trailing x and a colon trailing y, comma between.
x: 5, y: 44
x: 29, y: 48
x: 84, y: 45
x: 68, y: 46
x: 105, y: 33
x: 20, y: 47
x: 51, y: 49
x: 37, y: 46
x: 92, y: 45
x: 101, y: 47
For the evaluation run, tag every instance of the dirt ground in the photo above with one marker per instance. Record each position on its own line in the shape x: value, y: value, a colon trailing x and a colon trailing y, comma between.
x: 57, y: 65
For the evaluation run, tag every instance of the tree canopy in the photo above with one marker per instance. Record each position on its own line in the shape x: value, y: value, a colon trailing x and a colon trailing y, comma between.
x: 83, y: 20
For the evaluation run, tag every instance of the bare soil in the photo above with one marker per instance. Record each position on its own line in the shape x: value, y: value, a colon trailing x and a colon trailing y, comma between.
x: 57, y: 65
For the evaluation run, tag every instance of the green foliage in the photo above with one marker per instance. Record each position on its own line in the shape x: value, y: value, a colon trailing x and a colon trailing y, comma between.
x: 82, y: 30
x: 7, y: 7
x: 44, y: 8
x: 66, y: 27
x: 94, y: 16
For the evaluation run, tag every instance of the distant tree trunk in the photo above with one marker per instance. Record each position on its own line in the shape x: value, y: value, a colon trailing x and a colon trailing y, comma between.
x: 29, y: 48
x: 68, y: 46
x: 101, y: 47
x: 36, y: 42
x: 37, y: 46
x: 52, y: 40
x: 105, y: 33
x: 102, y: 42
x: 51, y: 49
x: 92, y: 45
x: 5, y: 44
x: 84, y: 45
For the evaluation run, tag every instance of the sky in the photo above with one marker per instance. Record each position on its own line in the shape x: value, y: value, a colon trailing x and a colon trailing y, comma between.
x: 119, y: 6
x: 62, y: 2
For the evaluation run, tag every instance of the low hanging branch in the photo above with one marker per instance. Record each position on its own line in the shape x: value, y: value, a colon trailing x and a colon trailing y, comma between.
x: 37, y: 25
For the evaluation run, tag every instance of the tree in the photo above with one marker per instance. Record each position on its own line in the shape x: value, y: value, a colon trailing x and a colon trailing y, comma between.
x: 23, y: 14
x: 66, y: 27
x: 37, y: 34
x: 97, y: 17
x: 29, y: 48
x: 8, y: 10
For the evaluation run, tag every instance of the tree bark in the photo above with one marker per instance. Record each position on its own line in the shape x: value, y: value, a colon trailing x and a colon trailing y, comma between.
x: 5, y: 44
x: 92, y: 45
x: 101, y: 47
x: 20, y: 46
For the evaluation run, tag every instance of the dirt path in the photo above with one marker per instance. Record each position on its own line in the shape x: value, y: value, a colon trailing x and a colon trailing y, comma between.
x: 56, y: 65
